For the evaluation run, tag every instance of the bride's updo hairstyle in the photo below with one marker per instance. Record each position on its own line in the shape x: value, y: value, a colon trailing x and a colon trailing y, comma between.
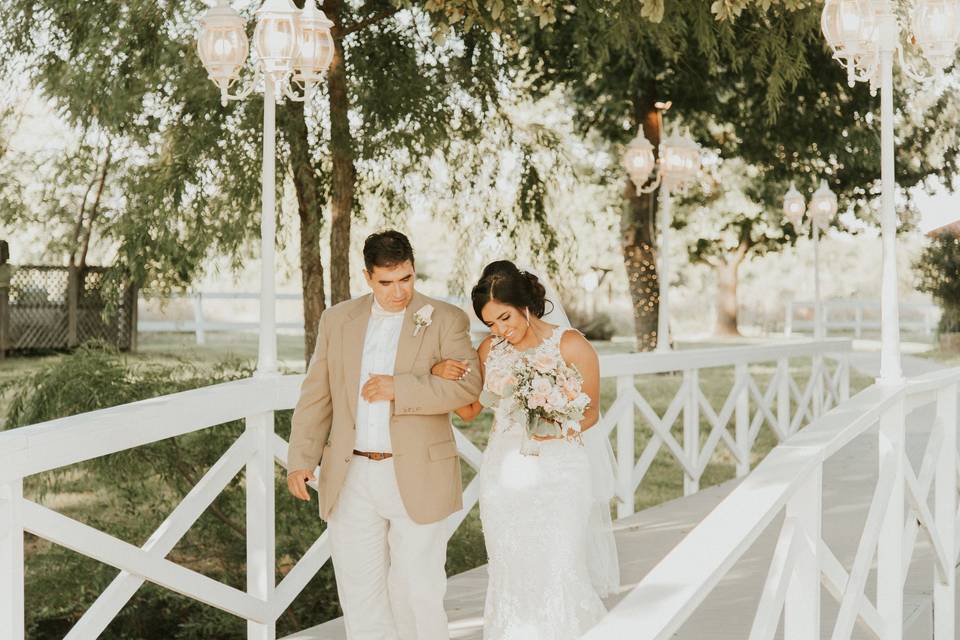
x: 503, y: 282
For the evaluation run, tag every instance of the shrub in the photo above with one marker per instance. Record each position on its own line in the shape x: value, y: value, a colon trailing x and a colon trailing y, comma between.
x: 939, y: 272
x: 599, y: 326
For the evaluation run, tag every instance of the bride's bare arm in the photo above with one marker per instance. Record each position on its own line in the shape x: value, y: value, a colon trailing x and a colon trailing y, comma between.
x: 578, y: 351
x: 453, y: 369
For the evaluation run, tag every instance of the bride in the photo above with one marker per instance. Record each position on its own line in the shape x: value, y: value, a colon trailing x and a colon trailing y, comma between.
x: 546, y: 517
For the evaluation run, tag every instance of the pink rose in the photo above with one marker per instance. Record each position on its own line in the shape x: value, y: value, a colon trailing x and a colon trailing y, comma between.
x: 541, y: 386
x: 536, y: 401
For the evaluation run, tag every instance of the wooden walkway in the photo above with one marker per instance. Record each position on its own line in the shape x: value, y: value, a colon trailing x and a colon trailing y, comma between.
x: 727, y: 613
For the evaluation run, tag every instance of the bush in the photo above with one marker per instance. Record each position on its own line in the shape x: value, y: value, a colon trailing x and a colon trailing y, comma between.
x: 599, y: 326
x: 939, y: 272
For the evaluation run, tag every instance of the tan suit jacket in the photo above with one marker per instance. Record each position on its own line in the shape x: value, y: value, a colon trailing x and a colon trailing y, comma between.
x: 425, y: 453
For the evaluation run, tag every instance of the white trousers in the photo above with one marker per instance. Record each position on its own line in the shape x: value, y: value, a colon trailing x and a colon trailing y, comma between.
x: 389, y: 569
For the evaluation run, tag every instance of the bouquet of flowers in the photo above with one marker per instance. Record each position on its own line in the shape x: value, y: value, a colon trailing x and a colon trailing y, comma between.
x: 545, y: 390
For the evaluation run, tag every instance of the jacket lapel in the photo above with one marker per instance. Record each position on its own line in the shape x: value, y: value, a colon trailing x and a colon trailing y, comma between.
x: 354, y: 333
x: 409, y: 345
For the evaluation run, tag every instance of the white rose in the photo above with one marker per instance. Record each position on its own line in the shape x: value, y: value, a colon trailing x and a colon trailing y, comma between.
x: 557, y: 399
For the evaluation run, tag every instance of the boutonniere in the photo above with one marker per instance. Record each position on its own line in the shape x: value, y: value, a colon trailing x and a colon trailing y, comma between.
x: 421, y: 319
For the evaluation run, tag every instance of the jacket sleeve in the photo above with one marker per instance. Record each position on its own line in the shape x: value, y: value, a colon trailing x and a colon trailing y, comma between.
x: 313, y: 415
x: 428, y: 394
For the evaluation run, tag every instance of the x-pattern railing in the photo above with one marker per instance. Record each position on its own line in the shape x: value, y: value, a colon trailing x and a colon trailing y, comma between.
x: 31, y: 450
x: 789, y: 483
x: 784, y: 405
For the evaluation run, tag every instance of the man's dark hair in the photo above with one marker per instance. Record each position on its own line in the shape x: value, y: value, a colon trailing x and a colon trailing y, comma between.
x: 386, y: 249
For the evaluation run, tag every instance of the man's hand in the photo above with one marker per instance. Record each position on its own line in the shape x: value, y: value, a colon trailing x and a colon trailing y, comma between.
x: 378, y: 388
x: 297, y: 484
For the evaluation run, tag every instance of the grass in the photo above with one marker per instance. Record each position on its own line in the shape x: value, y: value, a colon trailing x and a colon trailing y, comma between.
x: 948, y: 358
x: 77, y: 496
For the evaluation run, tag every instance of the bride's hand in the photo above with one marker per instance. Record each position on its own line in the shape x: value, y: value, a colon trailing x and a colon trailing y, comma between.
x: 571, y: 435
x: 451, y: 369
x: 545, y: 438
x: 540, y: 438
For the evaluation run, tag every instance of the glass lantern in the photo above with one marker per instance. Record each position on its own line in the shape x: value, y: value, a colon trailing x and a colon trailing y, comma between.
x: 275, y: 37
x: 638, y: 159
x: 936, y: 27
x: 680, y: 159
x: 849, y: 26
x: 823, y: 205
x: 222, y: 44
x: 794, y: 206
x: 316, y: 45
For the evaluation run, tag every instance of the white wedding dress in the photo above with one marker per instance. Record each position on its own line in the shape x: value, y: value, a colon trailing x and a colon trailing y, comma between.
x: 536, y: 515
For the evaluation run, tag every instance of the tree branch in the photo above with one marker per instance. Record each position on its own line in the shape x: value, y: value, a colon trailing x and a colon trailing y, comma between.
x: 713, y: 261
x: 369, y: 20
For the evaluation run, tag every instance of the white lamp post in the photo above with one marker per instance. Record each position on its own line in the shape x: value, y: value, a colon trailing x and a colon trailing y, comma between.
x: 823, y: 207
x: 679, y: 163
x: 290, y: 46
x: 864, y: 36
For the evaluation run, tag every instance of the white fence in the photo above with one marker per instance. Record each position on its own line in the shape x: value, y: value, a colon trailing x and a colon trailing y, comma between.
x: 201, y: 323
x: 784, y: 405
x: 858, y: 315
x: 789, y: 481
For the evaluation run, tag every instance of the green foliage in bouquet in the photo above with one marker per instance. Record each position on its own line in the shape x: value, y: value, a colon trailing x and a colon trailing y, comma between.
x: 939, y: 274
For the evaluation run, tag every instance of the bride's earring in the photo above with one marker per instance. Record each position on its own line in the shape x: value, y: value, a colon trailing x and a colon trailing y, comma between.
x: 528, y: 316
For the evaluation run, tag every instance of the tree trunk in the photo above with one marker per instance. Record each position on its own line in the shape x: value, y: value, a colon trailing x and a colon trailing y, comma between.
x: 638, y: 240
x: 344, y: 171
x: 727, y: 272
x: 310, y: 204
x: 95, y: 207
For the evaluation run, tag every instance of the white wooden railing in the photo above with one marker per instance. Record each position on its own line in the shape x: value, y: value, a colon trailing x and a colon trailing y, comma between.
x: 846, y: 315
x: 784, y: 405
x: 789, y: 482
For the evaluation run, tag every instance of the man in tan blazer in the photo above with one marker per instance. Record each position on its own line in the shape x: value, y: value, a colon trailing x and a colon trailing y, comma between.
x: 376, y: 420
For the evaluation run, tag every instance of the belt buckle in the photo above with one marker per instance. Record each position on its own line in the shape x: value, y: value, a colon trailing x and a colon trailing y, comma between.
x: 376, y: 456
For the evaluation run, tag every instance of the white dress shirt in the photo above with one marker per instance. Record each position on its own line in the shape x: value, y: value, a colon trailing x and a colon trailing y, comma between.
x: 379, y: 357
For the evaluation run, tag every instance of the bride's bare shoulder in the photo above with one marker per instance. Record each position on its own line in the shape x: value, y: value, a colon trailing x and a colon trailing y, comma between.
x: 574, y: 344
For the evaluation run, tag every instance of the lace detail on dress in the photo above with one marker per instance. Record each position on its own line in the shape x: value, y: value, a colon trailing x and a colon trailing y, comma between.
x: 535, y: 512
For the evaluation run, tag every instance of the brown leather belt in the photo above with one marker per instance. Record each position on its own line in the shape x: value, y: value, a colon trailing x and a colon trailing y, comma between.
x: 372, y: 455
